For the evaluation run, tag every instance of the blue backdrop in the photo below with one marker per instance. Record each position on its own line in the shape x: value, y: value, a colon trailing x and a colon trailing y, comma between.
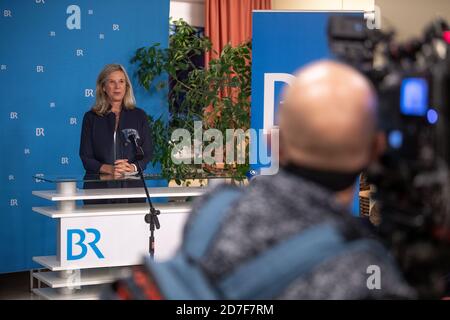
x: 282, y: 43
x: 51, y: 53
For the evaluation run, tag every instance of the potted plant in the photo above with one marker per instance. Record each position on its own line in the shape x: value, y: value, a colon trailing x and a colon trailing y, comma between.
x: 217, y: 95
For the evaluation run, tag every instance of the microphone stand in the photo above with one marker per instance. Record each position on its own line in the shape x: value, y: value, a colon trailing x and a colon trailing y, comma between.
x: 152, y: 217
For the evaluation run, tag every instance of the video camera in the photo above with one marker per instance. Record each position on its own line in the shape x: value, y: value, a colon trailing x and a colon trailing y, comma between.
x: 412, y: 80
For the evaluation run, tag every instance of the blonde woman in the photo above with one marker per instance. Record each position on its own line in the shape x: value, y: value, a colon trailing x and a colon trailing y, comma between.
x: 104, y: 147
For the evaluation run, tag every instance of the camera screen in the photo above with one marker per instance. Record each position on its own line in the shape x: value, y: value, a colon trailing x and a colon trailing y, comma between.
x: 414, y: 97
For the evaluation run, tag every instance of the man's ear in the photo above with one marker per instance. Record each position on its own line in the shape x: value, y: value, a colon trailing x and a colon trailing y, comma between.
x: 378, y: 146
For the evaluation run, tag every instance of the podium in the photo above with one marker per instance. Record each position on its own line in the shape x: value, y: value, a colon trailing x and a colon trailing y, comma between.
x: 98, y: 243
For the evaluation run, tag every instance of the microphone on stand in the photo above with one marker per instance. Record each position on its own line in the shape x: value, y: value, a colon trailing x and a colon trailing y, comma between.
x: 131, y: 135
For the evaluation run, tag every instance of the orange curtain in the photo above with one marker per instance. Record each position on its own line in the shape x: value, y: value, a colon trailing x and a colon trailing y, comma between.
x: 230, y: 21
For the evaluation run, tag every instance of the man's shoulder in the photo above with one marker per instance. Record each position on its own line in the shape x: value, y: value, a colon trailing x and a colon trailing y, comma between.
x: 343, y: 274
x: 213, y: 193
x: 367, y: 272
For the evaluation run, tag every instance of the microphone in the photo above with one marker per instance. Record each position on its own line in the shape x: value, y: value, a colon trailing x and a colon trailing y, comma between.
x: 131, y: 135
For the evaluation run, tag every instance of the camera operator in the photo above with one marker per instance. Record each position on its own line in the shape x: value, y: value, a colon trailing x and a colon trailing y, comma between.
x: 327, y: 137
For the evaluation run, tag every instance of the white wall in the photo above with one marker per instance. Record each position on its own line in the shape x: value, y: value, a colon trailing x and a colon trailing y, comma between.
x: 409, y: 17
x: 192, y: 11
x: 367, y: 5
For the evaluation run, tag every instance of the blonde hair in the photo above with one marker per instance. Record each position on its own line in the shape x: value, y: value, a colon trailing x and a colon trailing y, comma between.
x: 102, y: 106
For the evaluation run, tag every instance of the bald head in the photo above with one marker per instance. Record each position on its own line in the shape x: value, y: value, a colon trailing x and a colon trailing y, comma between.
x: 327, y: 120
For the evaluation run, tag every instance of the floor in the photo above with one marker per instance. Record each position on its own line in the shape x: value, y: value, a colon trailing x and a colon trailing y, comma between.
x: 16, y: 286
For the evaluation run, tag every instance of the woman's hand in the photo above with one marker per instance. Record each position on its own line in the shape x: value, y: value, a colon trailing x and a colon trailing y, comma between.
x: 107, y: 168
x: 122, y: 166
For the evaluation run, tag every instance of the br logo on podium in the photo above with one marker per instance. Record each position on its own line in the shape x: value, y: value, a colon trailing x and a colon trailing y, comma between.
x: 81, y: 243
x: 95, y: 241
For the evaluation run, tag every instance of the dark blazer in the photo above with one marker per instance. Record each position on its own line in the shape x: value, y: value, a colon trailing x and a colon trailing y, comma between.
x: 97, y: 139
x: 97, y: 145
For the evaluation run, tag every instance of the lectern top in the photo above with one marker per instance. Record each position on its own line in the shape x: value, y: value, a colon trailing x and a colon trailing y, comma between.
x: 56, y: 178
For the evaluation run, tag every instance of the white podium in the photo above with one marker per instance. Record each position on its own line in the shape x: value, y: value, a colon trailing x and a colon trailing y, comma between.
x: 98, y: 243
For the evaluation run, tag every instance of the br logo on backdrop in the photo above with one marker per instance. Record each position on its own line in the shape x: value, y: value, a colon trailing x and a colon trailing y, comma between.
x: 89, y: 93
x: 80, y: 243
x: 40, y: 132
x: 38, y: 175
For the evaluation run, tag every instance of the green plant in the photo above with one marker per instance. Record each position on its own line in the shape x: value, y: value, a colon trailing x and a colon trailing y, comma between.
x: 218, y: 95
x: 227, y: 91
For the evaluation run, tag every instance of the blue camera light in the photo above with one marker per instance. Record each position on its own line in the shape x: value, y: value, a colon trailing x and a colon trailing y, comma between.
x: 414, y: 97
x: 432, y: 116
x: 395, y: 139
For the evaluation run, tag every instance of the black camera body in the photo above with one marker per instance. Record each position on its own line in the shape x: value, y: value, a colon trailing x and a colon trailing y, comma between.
x: 412, y: 177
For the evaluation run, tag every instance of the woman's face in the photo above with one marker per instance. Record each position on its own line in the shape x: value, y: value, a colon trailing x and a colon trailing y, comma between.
x: 116, y: 86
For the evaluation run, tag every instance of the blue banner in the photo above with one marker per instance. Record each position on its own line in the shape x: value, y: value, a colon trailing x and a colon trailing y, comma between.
x: 51, y: 54
x: 282, y: 43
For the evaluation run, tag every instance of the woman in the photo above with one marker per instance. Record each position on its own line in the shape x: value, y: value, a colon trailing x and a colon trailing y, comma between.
x: 105, y: 147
